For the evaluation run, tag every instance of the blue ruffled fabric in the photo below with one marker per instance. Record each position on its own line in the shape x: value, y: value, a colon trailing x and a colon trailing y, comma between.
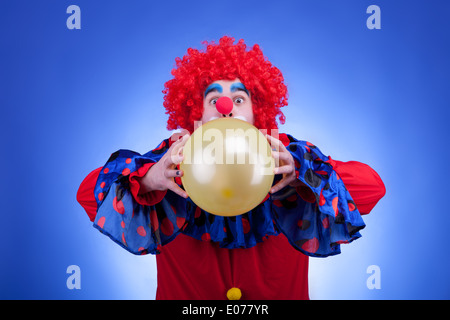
x: 315, y: 227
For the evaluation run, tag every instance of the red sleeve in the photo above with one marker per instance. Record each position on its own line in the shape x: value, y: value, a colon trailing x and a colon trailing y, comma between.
x: 86, y: 197
x: 362, y: 182
x: 149, y: 198
x: 85, y: 194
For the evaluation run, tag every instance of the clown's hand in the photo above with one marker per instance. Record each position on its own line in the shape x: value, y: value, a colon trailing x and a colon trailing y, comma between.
x: 284, y: 164
x: 161, y: 175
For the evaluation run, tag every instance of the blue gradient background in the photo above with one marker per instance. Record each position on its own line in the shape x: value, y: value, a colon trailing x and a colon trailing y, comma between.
x: 69, y: 98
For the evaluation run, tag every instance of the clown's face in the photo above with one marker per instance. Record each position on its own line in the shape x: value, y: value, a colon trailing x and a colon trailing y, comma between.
x: 242, y: 104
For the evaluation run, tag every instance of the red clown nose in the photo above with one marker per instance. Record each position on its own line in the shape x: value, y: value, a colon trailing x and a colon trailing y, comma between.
x: 224, y: 105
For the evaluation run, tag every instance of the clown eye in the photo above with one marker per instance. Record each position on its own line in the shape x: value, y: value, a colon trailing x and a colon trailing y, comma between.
x: 238, y: 100
x: 213, y: 101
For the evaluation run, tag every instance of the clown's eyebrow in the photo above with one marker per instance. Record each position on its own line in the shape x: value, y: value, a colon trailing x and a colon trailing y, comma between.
x: 239, y: 86
x: 213, y: 87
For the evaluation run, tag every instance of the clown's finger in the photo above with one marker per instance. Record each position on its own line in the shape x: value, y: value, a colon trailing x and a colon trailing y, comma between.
x: 175, y: 156
x: 178, y: 135
x: 274, y: 142
x: 178, y: 143
x: 283, y: 169
x: 279, y: 145
x: 173, y: 173
x: 172, y: 160
x: 281, y: 156
x: 175, y: 188
x: 181, y: 141
x: 176, y: 148
x: 280, y: 185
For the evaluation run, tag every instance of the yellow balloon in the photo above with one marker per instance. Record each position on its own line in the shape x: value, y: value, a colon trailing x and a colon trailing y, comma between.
x: 228, y: 167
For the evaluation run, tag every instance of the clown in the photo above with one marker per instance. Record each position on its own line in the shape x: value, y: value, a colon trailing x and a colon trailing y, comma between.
x: 314, y: 205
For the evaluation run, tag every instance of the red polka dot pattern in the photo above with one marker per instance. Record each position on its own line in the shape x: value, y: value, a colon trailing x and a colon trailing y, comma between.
x: 326, y: 222
x: 311, y: 245
x: 123, y: 239
x: 180, y: 222
x: 141, y: 231
x: 246, y: 225
x: 167, y: 227
x: 154, y: 220
x: 322, y: 200
x: 351, y: 206
x: 118, y: 206
x: 334, y: 203
x: 101, y: 222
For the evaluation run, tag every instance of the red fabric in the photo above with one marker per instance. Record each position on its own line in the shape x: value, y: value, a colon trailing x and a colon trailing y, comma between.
x: 148, y: 198
x: 362, y: 182
x: 85, y: 194
x: 192, y: 269
x: 284, y: 139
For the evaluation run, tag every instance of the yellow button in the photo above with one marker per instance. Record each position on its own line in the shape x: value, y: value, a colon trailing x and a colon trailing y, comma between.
x: 234, y: 294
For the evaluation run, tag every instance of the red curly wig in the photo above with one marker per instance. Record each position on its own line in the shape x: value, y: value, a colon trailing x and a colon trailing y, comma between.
x: 183, y: 95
